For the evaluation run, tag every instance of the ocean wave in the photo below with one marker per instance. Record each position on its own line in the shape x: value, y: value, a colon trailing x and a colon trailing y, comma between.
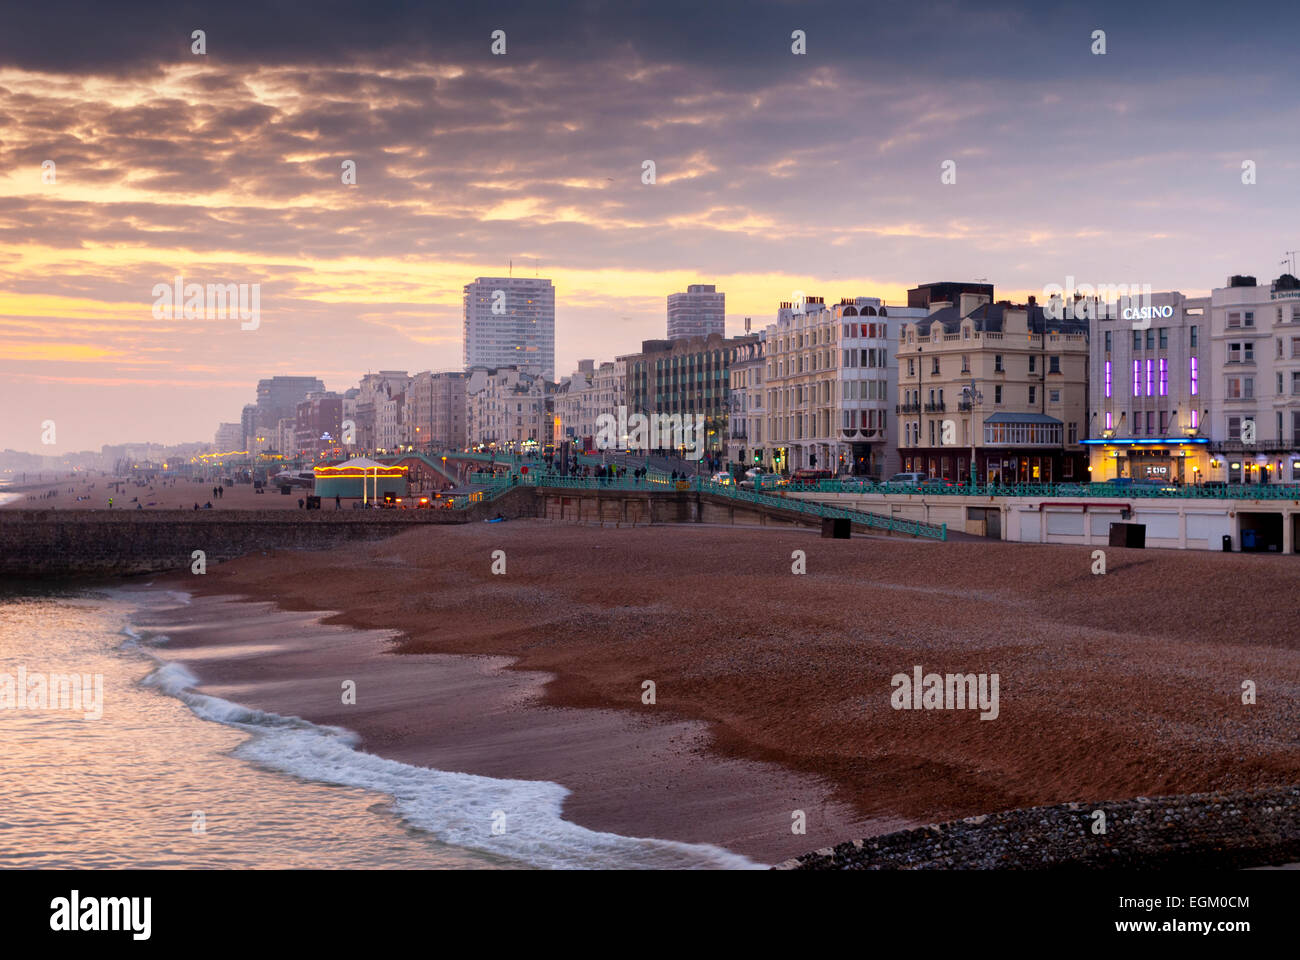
x: 456, y: 808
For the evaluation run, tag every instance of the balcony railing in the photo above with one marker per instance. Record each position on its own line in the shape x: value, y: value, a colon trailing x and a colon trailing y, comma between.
x: 963, y: 406
x: 907, y: 408
x: 936, y: 407
x: 1259, y: 446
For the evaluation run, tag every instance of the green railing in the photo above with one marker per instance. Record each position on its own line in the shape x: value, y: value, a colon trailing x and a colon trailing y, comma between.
x: 1101, y: 489
x: 916, y: 528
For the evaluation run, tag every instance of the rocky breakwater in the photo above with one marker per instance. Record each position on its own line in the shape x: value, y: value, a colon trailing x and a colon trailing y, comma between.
x: 1218, y: 831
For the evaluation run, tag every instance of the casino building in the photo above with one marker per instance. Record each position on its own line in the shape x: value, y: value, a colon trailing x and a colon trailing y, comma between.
x: 1150, y: 386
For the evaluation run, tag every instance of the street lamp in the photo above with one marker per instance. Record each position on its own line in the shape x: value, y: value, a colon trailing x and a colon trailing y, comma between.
x: 919, y: 390
x: 973, y: 397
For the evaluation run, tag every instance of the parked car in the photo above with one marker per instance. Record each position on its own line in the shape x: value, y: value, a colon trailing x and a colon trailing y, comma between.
x: 763, y: 481
x: 909, y: 478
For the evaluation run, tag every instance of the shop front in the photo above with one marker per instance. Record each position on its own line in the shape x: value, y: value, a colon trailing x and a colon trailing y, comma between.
x: 1027, y: 448
x: 1174, y: 460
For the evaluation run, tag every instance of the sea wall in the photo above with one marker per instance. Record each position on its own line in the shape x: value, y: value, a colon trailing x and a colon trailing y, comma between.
x: 1215, y: 831
x: 78, y: 543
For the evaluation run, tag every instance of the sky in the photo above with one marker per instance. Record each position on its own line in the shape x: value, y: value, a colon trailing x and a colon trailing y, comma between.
x: 775, y: 172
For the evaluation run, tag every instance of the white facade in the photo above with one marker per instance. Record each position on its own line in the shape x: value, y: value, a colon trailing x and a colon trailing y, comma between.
x: 228, y: 438
x: 367, y: 409
x: 507, y: 408
x: 1255, y: 363
x: 831, y: 380
x: 510, y: 321
x: 746, y: 415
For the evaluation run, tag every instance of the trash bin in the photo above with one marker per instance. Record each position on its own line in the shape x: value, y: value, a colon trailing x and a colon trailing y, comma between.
x: 1227, y: 543
x: 1248, y: 540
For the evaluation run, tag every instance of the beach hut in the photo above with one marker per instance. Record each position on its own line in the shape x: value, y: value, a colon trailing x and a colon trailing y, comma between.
x: 360, y: 479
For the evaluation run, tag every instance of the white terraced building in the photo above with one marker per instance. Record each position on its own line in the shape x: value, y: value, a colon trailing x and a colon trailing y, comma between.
x: 1255, y: 366
x: 831, y: 382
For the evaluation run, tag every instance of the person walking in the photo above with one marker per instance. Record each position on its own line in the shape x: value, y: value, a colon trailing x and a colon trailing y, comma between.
x: 338, y: 502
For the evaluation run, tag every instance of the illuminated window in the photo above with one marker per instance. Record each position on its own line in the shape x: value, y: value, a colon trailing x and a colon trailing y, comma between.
x: 1194, y: 382
x: 1108, y: 378
x: 1137, y: 378
x: 1164, y: 377
x: 1151, y: 378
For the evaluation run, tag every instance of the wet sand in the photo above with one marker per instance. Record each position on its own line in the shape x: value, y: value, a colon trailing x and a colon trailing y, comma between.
x: 631, y: 775
x: 1115, y: 686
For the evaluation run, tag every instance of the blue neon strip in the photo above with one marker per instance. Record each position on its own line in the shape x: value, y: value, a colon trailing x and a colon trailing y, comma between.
x: 1168, y: 441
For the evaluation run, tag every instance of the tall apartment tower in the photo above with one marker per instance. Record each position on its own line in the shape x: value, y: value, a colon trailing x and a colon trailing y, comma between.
x: 510, y: 322
x: 699, y: 312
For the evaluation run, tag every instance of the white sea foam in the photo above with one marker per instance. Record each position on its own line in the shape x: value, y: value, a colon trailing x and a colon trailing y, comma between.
x: 456, y: 808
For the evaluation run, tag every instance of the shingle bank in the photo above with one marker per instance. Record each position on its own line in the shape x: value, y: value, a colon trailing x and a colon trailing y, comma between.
x: 1195, y: 831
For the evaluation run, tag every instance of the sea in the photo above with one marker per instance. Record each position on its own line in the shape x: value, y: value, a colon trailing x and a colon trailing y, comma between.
x: 166, y: 777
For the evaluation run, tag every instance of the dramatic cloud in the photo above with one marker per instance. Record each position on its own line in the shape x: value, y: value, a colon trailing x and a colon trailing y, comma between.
x: 775, y: 172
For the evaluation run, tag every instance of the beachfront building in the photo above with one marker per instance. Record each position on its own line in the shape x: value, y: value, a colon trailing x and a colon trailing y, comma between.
x: 830, y: 378
x: 746, y: 415
x: 277, y: 397
x: 608, y: 389
x: 699, y: 312
x: 584, y: 396
x: 390, y: 422
x: 571, y: 407
x: 319, y: 427
x: 228, y: 438
x: 998, y: 385
x: 508, y: 409
x: 1149, y: 389
x: 510, y: 322
x: 374, y: 390
x: 286, y: 436
x: 1254, y: 366
x: 435, y: 410
x: 867, y: 442
x: 687, y: 377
